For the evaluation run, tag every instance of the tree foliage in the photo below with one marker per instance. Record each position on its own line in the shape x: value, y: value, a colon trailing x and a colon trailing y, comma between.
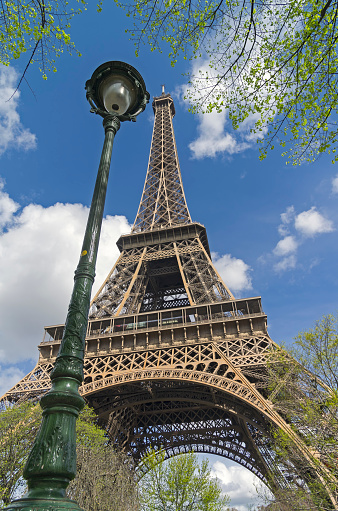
x: 18, y: 428
x: 104, y: 480
x: 179, y: 484
x: 37, y: 28
x: 304, y: 390
x: 272, y: 64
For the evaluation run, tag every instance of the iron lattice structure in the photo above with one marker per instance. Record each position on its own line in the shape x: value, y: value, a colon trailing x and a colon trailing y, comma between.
x: 172, y: 359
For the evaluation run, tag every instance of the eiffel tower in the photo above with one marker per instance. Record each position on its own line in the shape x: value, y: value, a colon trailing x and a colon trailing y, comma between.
x: 172, y: 359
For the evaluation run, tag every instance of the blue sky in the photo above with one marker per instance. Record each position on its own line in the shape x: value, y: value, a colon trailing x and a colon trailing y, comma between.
x: 272, y: 227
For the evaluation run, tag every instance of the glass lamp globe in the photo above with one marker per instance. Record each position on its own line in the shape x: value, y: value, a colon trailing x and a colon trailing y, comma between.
x: 118, y: 93
x: 117, y: 88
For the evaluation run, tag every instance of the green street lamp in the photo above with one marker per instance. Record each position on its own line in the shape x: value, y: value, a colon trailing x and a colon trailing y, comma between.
x: 116, y: 92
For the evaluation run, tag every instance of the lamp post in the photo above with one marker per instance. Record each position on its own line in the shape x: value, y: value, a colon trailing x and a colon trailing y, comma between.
x: 116, y: 92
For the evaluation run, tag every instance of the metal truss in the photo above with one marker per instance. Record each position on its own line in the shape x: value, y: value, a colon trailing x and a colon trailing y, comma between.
x: 158, y: 277
x: 169, y: 266
x: 172, y: 359
x: 32, y: 386
x: 201, y: 396
x: 163, y: 202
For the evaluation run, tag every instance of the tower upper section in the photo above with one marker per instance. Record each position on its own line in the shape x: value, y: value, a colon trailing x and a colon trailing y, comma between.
x: 163, y: 201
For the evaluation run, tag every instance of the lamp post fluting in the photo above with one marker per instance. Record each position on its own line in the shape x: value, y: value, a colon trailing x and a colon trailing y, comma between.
x: 116, y: 92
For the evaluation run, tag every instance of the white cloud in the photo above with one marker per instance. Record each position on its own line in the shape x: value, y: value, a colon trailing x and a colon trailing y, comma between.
x: 40, y: 250
x: 287, y: 263
x: 288, y: 215
x: 7, y: 207
x: 285, y: 246
x: 238, y: 483
x: 213, y: 139
x: 234, y: 272
x: 246, y: 128
x: 286, y: 218
x: 283, y: 230
x: 12, y: 132
x: 9, y: 376
x: 335, y: 184
x: 295, y: 229
x: 311, y: 222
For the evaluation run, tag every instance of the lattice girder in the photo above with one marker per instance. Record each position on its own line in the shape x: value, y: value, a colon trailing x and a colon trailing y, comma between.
x: 163, y: 202
x: 157, y: 414
x: 202, y: 427
x: 130, y: 284
x: 182, y: 415
x: 219, y: 367
x: 216, y: 322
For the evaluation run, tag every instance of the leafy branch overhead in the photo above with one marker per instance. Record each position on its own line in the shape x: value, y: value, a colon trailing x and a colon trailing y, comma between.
x: 272, y: 65
x: 38, y: 29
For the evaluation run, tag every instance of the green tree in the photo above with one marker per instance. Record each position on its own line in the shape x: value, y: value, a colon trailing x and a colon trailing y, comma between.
x: 18, y: 428
x: 304, y: 389
x: 179, y: 484
x: 105, y: 479
x: 272, y: 63
x: 39, y: 28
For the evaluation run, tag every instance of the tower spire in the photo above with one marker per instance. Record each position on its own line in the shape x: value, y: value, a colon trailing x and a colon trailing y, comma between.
x: 163, y: 202
x: 165, y: 262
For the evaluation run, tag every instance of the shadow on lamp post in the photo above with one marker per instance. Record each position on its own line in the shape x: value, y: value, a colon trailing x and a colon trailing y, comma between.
x: 117, y: 92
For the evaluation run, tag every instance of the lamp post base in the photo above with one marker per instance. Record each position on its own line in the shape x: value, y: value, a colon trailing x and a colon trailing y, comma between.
x: 30, y: 504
